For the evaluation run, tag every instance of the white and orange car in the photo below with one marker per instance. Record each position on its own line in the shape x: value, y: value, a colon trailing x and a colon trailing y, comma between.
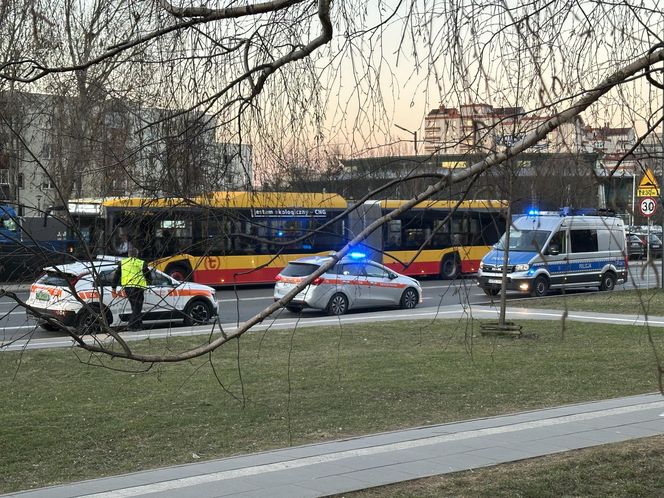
x: 354, y: 282
x: 165, y: 298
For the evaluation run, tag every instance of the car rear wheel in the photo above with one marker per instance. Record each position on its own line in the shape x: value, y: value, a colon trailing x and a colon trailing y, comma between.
x: 338, y: 305
x: 409, y: 299
x: 90, y: 321
x: 48, y: 326
x: 197, y: 312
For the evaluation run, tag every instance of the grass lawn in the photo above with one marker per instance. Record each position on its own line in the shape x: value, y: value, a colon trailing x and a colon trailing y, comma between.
x: 632, y: 468
x: 65, y: 418
x: 629, y: 301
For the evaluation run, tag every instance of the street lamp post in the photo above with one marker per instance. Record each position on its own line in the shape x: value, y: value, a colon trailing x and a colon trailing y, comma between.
x: 414, y: 133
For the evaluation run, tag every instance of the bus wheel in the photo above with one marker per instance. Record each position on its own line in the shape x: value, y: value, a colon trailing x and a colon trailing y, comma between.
x: 338, y: 305
x: 450, y: 267
x: 178, y: 272
x: 540, y: 287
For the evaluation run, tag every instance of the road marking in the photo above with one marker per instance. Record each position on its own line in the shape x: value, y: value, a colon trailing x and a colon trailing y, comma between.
x: 184, y: 482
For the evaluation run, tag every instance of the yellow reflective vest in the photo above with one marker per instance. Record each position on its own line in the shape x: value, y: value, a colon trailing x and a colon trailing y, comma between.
x: 131, y: 273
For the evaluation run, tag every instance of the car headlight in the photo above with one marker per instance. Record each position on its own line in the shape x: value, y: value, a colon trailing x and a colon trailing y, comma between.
x: 522, y: 268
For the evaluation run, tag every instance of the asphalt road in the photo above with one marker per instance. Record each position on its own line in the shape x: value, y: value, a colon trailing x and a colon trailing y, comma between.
x: 244, y: 302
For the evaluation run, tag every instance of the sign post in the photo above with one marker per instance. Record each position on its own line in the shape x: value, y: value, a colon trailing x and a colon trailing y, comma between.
x: 649, y: 190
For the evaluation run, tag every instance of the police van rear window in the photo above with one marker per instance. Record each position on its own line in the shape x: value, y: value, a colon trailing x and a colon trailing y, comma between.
x: 299, y: 270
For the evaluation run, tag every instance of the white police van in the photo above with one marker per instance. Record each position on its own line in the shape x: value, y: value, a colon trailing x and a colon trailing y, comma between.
x: 555, y: 250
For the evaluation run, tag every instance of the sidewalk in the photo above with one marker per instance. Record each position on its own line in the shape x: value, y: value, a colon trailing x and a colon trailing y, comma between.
x: 363, y: 462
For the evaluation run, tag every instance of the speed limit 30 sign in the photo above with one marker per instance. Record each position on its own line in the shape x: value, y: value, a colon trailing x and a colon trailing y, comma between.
x: 648, y: 206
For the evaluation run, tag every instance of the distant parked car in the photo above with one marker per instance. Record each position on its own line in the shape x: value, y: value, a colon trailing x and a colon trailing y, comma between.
x: 636, y: 248
x: 655, y: 244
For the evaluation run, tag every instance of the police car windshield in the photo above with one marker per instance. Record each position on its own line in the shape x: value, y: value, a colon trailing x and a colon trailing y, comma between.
x: 525, y: 240
x: 299, y: 270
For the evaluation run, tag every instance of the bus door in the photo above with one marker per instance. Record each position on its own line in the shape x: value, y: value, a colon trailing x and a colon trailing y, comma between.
x: 361, y: 218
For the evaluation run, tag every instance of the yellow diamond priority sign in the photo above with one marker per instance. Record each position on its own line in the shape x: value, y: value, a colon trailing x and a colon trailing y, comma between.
x: 648, y: 186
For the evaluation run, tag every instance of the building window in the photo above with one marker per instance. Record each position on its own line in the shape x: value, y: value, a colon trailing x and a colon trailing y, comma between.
x: 21, y: 181
x: 47, y: 184
x: 4, y: 176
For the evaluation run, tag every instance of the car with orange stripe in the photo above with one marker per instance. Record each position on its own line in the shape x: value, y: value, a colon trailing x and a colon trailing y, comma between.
x: 81, y: 295
x: 354, y: 282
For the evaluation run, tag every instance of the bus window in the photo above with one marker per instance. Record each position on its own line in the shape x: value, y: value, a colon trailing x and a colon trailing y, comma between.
x: 393, y: 238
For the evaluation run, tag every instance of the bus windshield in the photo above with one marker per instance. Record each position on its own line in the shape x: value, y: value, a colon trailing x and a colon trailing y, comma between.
x: 524, y: 240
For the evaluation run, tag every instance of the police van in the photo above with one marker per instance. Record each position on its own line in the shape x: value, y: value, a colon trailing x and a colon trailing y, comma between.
x: 556, y: 250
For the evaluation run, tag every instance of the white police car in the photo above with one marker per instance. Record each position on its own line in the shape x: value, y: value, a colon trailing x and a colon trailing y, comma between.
x: 354, y: 282
x: 165, y: 298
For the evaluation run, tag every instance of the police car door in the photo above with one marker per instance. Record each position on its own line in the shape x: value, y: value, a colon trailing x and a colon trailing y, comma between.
x: 383, y: 291
x: 354, y: 284
x: 117, y: 301
x: 158, y: 295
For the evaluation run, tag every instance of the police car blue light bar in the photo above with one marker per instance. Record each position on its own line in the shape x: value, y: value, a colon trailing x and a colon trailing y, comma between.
x: 357, y: 255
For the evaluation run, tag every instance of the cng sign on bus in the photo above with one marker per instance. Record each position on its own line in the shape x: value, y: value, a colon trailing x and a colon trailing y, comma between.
x: 648, y: 206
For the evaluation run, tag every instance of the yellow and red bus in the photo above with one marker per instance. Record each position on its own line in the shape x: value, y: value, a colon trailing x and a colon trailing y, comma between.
x: 226, y: 238
x: 441, y: 237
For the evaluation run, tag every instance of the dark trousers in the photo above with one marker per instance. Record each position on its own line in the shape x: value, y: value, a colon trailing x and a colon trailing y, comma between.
x: 135, y: 296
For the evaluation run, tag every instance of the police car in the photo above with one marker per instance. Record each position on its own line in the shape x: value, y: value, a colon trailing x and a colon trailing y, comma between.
x: 354, y: 282
x: 77, y: 294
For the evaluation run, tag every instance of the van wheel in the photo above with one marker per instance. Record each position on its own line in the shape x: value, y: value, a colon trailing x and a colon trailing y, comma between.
x: 608, y: 282
x: 491, y: 291
x: 450, y: 267
x: 409, y: 299
x: 540, y: 287
x: 197, y: 312
x: 338, y: 305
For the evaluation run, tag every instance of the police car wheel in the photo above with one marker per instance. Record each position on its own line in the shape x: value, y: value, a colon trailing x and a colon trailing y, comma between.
x: 540, y: 287
x: 197, y: 313
x: 294, y: 309
x: 608, y: 281
x: 338, y: 305
x: 409, y: 299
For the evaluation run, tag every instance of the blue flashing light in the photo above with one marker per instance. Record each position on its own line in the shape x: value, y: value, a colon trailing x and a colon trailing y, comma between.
x: 306, y: 246
x: 357, y: 255
x: 280, y: 233
x: 533, y: 212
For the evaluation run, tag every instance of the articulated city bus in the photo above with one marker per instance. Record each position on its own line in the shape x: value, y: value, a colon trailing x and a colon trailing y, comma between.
x: 445, y: 238
x: 226, y: 238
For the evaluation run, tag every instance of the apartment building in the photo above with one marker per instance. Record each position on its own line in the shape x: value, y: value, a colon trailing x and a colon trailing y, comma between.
x: 480, y: 128
x: 52, y: 148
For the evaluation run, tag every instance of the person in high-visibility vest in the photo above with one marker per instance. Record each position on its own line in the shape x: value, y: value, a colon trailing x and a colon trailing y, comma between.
x: 133, y: 275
